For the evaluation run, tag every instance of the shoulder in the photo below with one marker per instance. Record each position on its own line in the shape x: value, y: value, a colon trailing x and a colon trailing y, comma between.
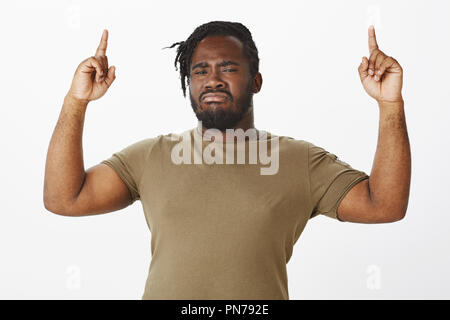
x: 288, y: 143
x: 305, y: 149
x: 311, y: 149
x: 143, y: 145
x: 139, y: 149
x: 160, y: 140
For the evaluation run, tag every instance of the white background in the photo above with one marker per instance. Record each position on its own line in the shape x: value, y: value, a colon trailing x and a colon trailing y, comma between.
x: 309, y: 51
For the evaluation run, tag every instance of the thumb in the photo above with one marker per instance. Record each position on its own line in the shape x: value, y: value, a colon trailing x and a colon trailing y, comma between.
x: 363, y: 69
x: 111, y: 75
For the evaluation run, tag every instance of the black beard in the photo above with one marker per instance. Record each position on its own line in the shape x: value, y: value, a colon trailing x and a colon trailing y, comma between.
x: 220, y: 118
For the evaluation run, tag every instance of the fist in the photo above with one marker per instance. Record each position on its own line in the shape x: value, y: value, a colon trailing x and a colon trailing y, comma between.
x: 93, y: 77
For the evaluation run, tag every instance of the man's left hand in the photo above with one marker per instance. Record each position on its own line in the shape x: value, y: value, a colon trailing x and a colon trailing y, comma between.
x: 381, y: 75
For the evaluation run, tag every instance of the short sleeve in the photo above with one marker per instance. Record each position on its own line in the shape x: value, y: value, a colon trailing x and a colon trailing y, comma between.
x: 330, y: 180
x: 129, y: 163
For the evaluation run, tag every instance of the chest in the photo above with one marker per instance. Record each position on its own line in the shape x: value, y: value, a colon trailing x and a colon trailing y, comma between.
x: 214, y: 198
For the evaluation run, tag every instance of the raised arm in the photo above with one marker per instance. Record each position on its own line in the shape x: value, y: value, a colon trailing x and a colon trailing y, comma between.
x: 68, y: 189
x: 384, y: 196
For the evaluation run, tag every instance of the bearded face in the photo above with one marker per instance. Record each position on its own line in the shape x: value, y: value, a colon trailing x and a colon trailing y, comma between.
x: 220, y: 85
x: 224, y: 112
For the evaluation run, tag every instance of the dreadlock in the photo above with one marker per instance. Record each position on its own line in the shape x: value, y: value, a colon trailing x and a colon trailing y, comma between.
x: 186, y: 48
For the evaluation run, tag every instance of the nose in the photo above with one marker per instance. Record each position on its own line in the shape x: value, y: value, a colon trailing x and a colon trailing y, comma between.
x: 214, y: 81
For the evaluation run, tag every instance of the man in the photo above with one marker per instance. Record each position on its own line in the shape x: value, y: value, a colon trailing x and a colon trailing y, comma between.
x: 224, y: 229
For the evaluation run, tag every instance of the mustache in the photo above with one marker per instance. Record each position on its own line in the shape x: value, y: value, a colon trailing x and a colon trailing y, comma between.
x: 216, y: 91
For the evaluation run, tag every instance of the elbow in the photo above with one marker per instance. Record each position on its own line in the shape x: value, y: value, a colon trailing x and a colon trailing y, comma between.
x: 51, y: 207
x: 48, y: 204
x: 58, y: 211
x: 51, y: 203
x: 397, y: 217
x: 55, y: 207
x: 401, y: 215
x: 391, y: 215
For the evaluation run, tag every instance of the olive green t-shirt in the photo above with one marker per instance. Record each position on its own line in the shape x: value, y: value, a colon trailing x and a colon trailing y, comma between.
x: 227, y: 231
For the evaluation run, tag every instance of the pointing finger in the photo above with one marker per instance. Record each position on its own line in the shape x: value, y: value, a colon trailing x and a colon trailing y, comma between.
x: 101, y: 50
x: 372, y: 39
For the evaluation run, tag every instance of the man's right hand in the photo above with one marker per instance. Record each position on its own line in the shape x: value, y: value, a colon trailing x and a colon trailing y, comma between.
x: 93, y: 77
x: 69, y: 190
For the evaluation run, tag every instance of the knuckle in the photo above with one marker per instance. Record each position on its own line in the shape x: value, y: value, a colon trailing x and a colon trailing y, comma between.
x: 380, y: 62
x: 93, y: 60
x: 375, y: 54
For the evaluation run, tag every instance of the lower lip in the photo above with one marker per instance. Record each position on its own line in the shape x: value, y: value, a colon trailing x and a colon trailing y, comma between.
x: 214, y: 99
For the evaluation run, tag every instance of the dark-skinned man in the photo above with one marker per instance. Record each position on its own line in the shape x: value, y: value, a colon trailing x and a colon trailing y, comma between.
x: 222, y: 228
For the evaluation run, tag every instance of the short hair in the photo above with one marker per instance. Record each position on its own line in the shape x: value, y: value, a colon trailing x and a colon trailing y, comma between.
x: 186, y: 48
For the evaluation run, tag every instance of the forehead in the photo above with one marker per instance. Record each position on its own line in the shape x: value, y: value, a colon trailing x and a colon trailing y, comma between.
x: 218, y: 47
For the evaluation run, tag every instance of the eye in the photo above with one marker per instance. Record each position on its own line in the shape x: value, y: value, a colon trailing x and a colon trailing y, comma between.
x: 228, y: 70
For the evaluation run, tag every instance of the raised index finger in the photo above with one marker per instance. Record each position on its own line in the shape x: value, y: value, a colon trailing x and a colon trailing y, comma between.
x: 372, y: 39
x: 101, y: 50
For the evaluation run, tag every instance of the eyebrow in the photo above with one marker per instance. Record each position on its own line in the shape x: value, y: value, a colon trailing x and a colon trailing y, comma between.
x: 224, y: 63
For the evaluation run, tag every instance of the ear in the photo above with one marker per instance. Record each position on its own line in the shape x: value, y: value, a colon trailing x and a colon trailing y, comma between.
x: 257, y: 83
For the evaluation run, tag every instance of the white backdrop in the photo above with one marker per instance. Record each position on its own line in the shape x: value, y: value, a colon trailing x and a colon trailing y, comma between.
x: 309, y: 51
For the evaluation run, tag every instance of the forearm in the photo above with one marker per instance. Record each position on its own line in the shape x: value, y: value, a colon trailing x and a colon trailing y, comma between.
x: 64, y: 168
x: 389, y: 181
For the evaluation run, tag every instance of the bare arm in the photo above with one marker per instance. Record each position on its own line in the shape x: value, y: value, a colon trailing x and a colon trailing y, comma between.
x: 68, y: 188
x: 64, y: 167
x: 384, y: 196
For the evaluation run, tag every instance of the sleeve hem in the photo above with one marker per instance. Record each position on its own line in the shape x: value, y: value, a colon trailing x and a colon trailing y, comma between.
x: 344, y: 182
x: 134, y: 194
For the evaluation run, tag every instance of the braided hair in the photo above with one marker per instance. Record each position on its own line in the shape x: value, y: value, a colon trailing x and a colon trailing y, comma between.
x: 186, y: 48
